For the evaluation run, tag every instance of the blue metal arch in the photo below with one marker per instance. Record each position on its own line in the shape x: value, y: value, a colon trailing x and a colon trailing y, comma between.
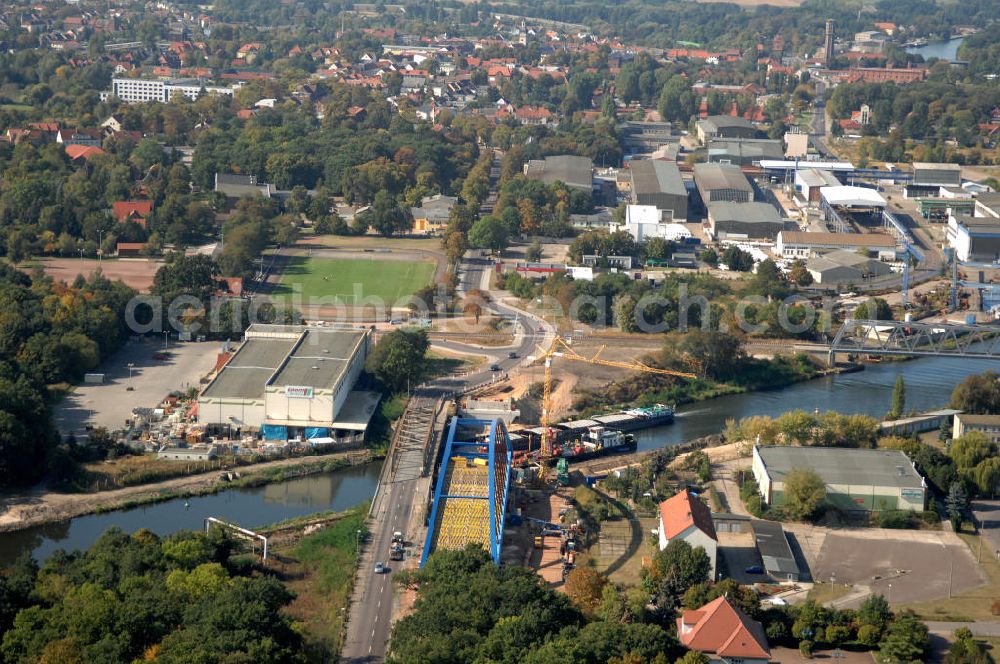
x: 499, y: 457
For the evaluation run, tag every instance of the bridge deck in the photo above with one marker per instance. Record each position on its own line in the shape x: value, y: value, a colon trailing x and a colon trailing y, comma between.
x: 464, y: 512
x: 471, y: 496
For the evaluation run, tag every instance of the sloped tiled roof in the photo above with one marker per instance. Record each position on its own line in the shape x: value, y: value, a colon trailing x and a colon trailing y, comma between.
x: 724, y: 630
x: 684, y: 510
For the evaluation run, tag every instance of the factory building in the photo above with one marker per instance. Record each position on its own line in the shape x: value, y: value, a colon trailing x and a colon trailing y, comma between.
x: 724, y: 126
x: 293, y: 381
x: 722, y: 182
x: 742, y: 221
x: 659, y: 183
x: 797, y: 244
x: 856, y: 480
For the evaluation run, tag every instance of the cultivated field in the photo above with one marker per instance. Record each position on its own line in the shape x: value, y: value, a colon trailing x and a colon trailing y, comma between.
x: 350, y: 281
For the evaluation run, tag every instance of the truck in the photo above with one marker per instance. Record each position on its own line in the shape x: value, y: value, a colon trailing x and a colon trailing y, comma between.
x: 397, y: 552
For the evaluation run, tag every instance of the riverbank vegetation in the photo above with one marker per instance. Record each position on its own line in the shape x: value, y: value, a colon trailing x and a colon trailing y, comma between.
x: 142, y: 597
x: 718, y: 359
x: 320, y: 571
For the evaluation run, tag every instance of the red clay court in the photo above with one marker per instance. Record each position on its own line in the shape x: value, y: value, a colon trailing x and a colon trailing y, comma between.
x: 136, y: 273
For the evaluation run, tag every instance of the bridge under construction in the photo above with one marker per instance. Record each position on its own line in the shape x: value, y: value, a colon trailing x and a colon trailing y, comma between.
x: 470, y: 499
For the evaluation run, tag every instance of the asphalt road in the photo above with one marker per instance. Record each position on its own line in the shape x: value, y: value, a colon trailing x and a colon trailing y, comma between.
x: 400, y: 497
x: 371, y: 614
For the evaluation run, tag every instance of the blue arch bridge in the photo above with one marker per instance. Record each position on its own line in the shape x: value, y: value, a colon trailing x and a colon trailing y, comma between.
x: 470, y: 499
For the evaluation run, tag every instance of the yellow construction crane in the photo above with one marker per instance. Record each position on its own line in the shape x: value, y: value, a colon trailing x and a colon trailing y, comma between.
x: 561, y: 348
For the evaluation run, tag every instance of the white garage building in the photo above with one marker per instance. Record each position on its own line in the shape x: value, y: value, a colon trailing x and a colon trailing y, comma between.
x: 289, y: 381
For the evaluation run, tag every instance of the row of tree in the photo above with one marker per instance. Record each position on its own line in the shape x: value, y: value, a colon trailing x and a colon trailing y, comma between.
x: 52, y: 333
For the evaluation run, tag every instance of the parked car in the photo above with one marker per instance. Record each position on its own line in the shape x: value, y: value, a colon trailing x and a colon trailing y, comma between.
x: 754, y: 569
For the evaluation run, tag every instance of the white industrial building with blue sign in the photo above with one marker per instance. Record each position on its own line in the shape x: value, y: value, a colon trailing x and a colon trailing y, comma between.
x: 293, y: 381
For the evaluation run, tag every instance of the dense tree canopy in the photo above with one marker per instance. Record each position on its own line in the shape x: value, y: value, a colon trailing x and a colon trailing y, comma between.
x: 470, y: 610
x: 133, y: 597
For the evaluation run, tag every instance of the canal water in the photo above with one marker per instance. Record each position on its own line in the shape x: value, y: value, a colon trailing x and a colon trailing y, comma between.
x: 249, y: 507
x: 943, y: 50
x: 929, y: 383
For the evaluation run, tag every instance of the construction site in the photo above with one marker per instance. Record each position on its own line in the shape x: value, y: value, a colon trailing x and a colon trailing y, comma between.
x: 511, y: 491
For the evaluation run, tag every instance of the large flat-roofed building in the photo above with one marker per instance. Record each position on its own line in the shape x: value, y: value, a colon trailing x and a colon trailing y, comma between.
x: 137, y: 90
x: 744, y: 151
x: 845, y: 266
x: 988, y: 205
x: 722, y: 182
x: 292, y: 380
x: 798, y: 244
x: 659, y: 183
x: 754, y: 221
x: 809, y: 181
x: 856, y: 480
x: 724, y: 126
x: 988, y: 425
x: 937, y: 175
x: 571, y: 170
x: 975, y: 239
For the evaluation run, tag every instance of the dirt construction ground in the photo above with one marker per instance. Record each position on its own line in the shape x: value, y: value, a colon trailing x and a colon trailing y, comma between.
x: 137, y: 273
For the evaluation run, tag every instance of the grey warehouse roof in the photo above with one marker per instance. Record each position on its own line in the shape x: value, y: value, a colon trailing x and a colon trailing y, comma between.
x: 568, y: 169
x: 651, y: 176
x: 773, y: 547
x: 246, y: 373
x: 720, y: 176
x: 319, y: 359
x: 281, y: 355
x: 838, y: 465
x: 720, y: 121
x: 747, y: 213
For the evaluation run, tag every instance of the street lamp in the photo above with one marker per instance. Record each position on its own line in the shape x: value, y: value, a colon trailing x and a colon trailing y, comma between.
x: 131, y: 365
x: 165, y: 334
x: 357, y: 543
x: 100, y: 245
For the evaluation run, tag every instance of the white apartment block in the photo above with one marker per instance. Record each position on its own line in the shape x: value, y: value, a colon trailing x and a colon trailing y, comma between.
x: 137, y: 90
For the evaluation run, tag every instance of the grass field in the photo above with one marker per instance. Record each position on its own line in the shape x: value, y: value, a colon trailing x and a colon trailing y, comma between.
x: 346, y: 279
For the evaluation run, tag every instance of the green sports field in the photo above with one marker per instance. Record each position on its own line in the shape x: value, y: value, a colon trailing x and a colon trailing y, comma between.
x: 347, y: 278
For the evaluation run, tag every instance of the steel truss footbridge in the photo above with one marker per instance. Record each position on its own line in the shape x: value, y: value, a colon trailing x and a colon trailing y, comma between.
x: 880, y: 337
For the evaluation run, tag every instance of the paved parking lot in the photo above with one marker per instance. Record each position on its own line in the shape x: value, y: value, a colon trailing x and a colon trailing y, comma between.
x: 905, y: 566
x: 109, y: 404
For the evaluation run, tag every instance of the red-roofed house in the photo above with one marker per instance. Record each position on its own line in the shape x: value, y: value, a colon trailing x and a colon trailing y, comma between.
x: 136, y: 211
x: 687, y: 518
x: 81, y: 153
x: 723, y: 633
